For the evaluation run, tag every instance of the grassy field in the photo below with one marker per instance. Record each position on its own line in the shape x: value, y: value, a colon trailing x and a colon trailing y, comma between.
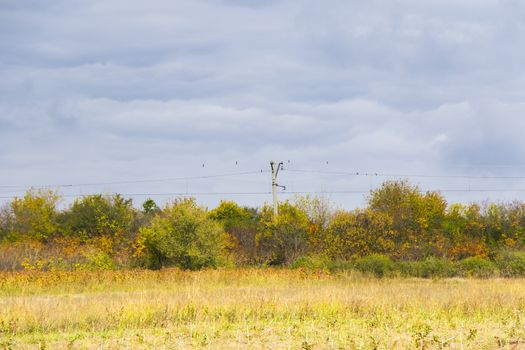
x: 257, y: 309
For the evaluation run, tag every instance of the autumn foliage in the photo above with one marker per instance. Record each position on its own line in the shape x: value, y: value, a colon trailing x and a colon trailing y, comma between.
x: 400, y: 223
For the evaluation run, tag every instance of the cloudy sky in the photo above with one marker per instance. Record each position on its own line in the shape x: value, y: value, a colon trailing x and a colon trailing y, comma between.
x: 106, y: 95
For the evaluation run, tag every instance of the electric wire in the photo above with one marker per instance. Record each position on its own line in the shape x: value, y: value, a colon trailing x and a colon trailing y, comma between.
x: 127, y: 182
x: 12, y: 188
x: 375, y: 174
x: 328, y: 192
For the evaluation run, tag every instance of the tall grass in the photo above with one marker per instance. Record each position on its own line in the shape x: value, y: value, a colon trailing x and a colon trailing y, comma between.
x: 257, y: 308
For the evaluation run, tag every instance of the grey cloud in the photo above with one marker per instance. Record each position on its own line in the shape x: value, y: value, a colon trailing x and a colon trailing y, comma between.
x: 105, y: 90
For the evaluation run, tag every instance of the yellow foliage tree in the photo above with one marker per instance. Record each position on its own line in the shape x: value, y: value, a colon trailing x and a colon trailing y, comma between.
x: 35, y: 215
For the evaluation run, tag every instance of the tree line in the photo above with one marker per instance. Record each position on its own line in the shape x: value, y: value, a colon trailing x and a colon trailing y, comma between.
x: 399, y: 225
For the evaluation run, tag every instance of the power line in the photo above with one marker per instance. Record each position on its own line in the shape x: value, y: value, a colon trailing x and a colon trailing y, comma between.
x: 199, y: 177
x: 374, y: 174
x: 182, y: 194
x: 184, y: 178
x: 11, y: 189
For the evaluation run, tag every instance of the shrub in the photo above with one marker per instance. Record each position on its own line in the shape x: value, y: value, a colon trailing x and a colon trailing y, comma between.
x: 511, y: 264
x: 313, y: 262
x: 98, y: 261
x: 12, y: 254
x: 430, y: 267
x: 376, y: 264
x: 181, y: 236
x: 477, y: 267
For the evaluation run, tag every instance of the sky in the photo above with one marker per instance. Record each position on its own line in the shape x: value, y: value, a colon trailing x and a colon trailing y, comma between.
x: 113, y: 95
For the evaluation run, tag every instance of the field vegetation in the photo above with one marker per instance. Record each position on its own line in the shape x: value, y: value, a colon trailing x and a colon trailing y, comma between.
x: 258, y: 309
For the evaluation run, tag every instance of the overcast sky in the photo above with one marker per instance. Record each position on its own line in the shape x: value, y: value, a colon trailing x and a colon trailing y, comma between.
x: 100, y: 91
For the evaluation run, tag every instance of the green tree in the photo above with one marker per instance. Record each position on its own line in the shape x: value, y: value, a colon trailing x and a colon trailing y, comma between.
x: 182, y: 235
x: 143, y: 217
x: 241, y: 225
x: 230, y: 214
x: 99, y: 215
x: 150, y: 207
x: 283, y: 239
x: 34, y: 215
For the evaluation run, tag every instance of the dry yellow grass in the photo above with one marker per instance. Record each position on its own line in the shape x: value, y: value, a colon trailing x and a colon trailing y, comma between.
x: 257, y: 309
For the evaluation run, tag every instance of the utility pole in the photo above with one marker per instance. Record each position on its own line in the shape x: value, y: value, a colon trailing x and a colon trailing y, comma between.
x: 275, y: 171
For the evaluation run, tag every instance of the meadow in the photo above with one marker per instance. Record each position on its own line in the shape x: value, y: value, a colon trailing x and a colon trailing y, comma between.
x: 257, y: 309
